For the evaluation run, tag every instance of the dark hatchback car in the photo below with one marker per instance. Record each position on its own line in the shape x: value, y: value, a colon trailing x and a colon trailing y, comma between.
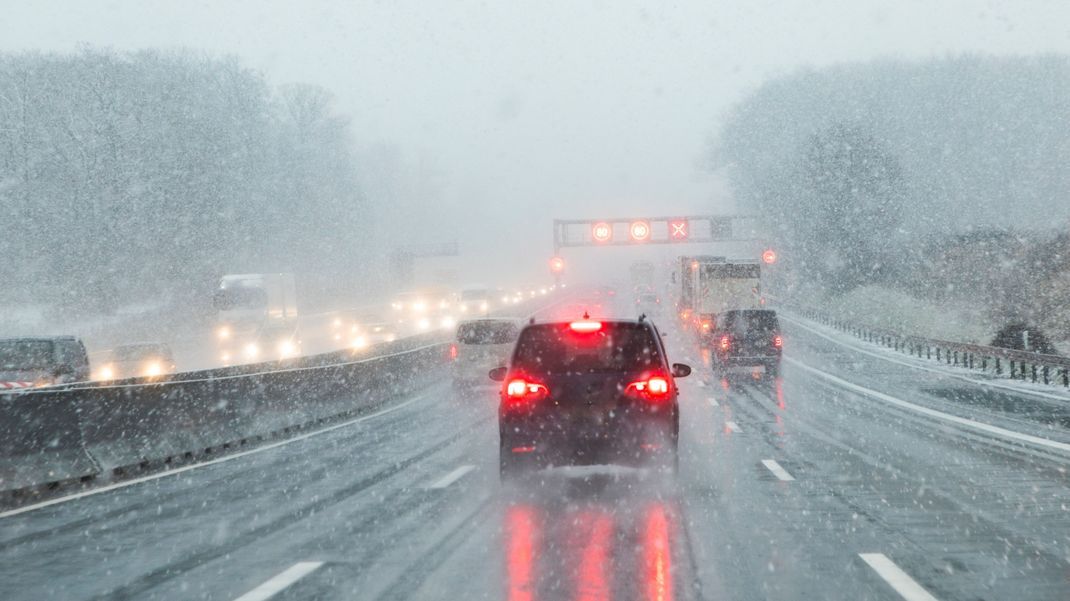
x: 748, y: 338
x: 588, y: 392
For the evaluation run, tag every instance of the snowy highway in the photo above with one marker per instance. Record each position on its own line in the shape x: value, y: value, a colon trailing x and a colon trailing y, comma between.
x: 811, y: 486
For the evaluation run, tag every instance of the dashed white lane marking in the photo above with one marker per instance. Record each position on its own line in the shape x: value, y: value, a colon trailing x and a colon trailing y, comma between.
x: 777, y: 470
x: 701, y: 384
x: 969, y: 423
x: 903, y: 584
x: 452, y: 477
x: 281, y: 581
x: 713, y: 402
x: 733, y: 426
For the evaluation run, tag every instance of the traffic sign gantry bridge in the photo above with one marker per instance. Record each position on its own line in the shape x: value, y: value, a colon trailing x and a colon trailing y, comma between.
x: 622, y: 231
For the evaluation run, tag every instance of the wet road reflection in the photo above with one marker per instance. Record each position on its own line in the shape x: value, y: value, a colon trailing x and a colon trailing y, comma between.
x: 592, y: 539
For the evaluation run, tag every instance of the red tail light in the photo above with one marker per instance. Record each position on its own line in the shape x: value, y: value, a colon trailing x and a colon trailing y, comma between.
x: 453, y: 352
x: 654, y: 388
x: 519, y: 389
x: 778, y: 341
x: 706, y: 325
x: 725, y: 343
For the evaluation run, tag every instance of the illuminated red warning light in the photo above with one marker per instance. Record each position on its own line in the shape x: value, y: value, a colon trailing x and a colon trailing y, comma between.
x: 678, y: 229
x: 602, y: 232
x: 769, y: 256
x: 557, y: 264
x: 639, y: 231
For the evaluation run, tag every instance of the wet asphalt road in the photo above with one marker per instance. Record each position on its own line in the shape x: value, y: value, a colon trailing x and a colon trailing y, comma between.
x: 801, y: 487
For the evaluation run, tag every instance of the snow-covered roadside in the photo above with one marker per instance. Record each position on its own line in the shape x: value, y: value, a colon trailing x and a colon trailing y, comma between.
x: 974, y: 376
x: 890, y: 309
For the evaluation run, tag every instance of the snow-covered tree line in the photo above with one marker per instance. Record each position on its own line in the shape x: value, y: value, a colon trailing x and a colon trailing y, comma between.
x: 946, y: 178
x: 131, y: 176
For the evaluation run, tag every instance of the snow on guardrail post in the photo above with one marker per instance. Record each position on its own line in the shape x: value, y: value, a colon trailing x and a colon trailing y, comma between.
x: 1004, y: 362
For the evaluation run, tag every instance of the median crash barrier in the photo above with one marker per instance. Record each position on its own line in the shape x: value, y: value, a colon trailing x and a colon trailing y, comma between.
x: 52, y: 436
x: 41, y: 441
x: 81, y: 432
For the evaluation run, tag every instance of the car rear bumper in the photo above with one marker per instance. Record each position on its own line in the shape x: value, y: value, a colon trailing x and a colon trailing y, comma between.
x: 550, y: 442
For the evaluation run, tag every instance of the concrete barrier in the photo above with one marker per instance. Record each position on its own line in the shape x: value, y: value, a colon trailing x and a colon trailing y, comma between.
x: 80, y: 432
x: 41, y: 441
x: 58, y: 435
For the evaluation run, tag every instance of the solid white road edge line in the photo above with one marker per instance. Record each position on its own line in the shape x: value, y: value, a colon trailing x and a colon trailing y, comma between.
x: 969, y: 423
x: 858, y: 346
x: 452, y: 477
x: 186, y: 468
x: 903, y: 584
x: 733, y: 426
x: 281, y: 581
x: 777, y: 470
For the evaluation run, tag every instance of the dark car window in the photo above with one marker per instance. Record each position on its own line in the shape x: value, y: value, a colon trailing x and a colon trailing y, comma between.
x: 487, y: 332
x: 750, y: 322
x: 240, y: 298
x: 617, y: 347
x: 26, y: 354
x: 71, y: 354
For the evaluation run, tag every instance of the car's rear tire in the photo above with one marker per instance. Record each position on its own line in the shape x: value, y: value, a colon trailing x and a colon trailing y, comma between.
x: 510, y: 466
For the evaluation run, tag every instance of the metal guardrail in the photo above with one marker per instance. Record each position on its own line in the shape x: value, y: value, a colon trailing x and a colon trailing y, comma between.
x: 1017, y: 365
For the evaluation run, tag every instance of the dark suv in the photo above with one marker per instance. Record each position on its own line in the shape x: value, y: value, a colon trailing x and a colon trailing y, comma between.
x: 43, y: 361
x: 748, y: 337
x: 588, y: 392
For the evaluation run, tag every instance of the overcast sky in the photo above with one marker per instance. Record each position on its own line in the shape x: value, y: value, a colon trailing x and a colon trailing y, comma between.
x: 535, y: 110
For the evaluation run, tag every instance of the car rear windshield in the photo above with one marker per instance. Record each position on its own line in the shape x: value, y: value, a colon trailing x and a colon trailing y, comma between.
x: 487, y: 332
x: 26, y: 354
x: 616, y: 347
x: 743, y: 322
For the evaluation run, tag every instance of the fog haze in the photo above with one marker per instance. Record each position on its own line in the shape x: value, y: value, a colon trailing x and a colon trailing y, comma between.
x: 508, y: 115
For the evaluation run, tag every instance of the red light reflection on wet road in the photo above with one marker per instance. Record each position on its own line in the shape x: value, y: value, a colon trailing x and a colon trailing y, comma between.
x: 657, y: 568
x: 591, y: 552
x: 522, y: 540
x: 593, y: 579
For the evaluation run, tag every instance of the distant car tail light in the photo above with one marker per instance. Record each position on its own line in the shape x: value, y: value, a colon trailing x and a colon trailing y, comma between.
x: 706, y: 325
x: 585, y: 326
x: 654, y: 388
x: 519, y: 389
x: 725, y: 343
x: 453, y: 352
x: 778, y: 341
